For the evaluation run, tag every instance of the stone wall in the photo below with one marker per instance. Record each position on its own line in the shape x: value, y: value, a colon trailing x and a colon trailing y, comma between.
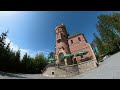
x: 87, y: 65
x: 69, y: 70
x: 62, y: 71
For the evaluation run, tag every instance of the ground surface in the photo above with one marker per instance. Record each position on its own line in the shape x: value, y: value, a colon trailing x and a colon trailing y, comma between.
x: 109, y: 69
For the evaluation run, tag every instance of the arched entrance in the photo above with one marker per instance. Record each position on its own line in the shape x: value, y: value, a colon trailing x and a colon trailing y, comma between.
x: 74, y: 61
x: 61, y: 58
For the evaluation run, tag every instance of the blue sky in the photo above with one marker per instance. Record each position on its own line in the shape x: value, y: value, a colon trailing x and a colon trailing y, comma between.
x: 34, y: 31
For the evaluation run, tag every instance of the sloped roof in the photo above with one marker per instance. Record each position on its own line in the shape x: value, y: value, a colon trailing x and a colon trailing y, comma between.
x: 71, y: 36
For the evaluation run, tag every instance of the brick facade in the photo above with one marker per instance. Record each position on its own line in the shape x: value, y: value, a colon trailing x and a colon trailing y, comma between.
x: 71, y: 44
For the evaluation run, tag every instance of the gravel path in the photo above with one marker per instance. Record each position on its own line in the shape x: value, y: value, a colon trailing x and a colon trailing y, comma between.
x: 109, y: 69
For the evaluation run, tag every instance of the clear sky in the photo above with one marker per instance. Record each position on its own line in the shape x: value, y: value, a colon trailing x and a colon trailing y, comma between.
x: 34, y: 31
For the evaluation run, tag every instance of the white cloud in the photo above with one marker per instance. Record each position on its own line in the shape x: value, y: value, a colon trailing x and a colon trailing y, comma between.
x: 28, y: 51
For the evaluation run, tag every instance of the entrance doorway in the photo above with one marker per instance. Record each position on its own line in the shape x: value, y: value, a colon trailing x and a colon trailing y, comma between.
x: 61, y: 55
x: 74, y: 61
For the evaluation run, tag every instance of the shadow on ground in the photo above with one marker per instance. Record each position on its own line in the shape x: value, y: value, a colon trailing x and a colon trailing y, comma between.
x: 10, y: 75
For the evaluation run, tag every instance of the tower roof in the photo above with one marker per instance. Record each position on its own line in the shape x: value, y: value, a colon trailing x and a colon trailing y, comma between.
x: 60, y: 26
x: 71, y: 36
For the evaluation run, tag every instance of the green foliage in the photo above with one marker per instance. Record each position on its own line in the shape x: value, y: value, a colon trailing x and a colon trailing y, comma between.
x: 99, y: 44
x: 51, y: 56
x: 109, y: 30
x: 10, y: 60
x: 39, y: 62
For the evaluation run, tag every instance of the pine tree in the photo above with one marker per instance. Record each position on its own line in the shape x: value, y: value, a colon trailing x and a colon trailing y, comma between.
x: 40, y: 62
x: 107, y: 30
x: 99, y: 44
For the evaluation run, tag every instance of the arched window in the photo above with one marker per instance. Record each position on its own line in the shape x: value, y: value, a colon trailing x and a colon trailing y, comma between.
x: 62, y: 36
x: 71, y: 41
x: 59, y: 40
x: 63, y: 48
x: 61, y: 55
x: 79, y: 39
x: 75, y: 61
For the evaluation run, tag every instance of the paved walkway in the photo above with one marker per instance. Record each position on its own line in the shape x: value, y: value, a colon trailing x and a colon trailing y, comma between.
x: 109, y: 69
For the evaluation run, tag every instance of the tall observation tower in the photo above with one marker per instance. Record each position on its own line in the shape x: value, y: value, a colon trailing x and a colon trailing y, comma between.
x: 62, y: 46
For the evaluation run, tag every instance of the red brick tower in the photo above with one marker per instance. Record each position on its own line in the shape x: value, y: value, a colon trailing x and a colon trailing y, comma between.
x: 62, y: 46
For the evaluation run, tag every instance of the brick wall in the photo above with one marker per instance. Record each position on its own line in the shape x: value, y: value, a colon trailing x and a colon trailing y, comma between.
x: 79, y: 45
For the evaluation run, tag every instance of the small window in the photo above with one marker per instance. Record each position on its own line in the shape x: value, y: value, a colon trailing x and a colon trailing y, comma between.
x: 82, y: 56
x: 52, y: 73
x: 61, y: 35
x: 71, y: 41
x: 59, y: 41
x: 66, y: 43
x: 79, y: 39
x: 75, y: 61
x: 63, y: 48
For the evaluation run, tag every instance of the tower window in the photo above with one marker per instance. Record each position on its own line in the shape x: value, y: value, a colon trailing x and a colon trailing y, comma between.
x: 58, y: 40
x: 61, y: 35
x: 79, y: 39
x: 63, y: 48
x: 66, y: 43
x: 71, y: 41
